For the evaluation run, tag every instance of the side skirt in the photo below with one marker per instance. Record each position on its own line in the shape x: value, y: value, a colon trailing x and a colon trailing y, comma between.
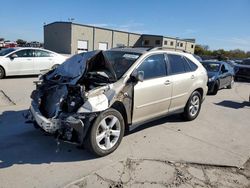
x: 133, y: 126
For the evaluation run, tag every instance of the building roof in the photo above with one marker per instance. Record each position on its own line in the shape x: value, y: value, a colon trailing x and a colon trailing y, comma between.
x: 92, y: 26
x: 72, y: 23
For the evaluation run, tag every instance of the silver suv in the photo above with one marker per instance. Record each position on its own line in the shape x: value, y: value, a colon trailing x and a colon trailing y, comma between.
x: 93, y: 97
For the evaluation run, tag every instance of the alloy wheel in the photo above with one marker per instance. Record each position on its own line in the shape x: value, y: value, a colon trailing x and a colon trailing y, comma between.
x: 108, y: 132
x: 194, y: 105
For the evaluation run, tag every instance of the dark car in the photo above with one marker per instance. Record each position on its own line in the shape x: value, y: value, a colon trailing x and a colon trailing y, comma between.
x: 220, y: 75
x: 242, y: 69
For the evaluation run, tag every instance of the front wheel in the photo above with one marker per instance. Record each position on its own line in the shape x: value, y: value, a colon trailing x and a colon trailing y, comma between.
x: 2, y: 73
x: 192, y: 108
x: 215, y: 89
x: 231, y: 83
x: 106, y: 133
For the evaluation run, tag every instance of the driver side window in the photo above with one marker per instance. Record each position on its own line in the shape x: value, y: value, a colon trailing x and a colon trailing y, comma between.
x: 153, y: 67
x: 223, y: 69
x: 24, y: 53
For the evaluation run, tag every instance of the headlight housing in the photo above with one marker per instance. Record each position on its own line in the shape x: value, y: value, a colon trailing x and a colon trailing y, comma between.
x: 211, y: 79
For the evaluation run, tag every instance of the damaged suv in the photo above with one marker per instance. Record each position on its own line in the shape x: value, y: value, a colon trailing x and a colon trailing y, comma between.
x: 93, y: 97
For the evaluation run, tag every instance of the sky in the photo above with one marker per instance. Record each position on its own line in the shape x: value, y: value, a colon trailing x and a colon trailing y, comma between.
x: 220, y: 24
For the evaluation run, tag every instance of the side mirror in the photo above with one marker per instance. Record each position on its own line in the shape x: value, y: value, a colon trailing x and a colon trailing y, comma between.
x: 137, y: 75
x: 13, y: 56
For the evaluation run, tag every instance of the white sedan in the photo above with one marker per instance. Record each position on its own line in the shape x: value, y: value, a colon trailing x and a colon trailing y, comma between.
x: 27, y: 61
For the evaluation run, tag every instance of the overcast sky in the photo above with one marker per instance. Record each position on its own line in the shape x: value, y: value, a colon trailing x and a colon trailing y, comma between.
x: 216, y: 23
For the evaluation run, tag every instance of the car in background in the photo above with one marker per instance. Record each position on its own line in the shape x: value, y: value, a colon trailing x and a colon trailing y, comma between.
x: 197, y: 57
x: 27, y: 61
x: 220, y: 75
x: 94, y: 96
x: 242, y: 69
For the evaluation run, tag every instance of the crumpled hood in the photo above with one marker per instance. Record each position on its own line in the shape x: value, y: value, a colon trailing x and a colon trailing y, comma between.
x: 75, y: 68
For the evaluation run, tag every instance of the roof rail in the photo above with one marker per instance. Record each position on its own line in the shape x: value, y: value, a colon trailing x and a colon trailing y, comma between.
x: 166, y: 48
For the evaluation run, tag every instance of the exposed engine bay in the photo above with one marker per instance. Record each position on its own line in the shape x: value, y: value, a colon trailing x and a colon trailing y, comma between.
x: 68, y: 99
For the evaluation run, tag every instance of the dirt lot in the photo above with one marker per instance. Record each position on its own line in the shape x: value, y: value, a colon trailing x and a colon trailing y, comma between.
x: 207, y: 152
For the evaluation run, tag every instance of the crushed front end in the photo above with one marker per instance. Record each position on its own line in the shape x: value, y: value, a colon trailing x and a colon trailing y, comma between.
x: 66, y: 100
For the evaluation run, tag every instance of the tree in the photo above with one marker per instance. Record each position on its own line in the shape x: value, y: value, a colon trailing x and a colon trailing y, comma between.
x: 220, y: 54
x: 1, y: 39
x: 21, y: 42
x: 199, y: 50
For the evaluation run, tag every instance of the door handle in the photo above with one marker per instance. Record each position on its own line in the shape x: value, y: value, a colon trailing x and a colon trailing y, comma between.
x: 167, y: 82
x: 192, y: 77
x: 29, y: 59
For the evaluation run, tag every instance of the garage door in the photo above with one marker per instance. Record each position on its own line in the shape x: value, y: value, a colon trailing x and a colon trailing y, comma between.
x: 82, y: 46
x: 103, y: 46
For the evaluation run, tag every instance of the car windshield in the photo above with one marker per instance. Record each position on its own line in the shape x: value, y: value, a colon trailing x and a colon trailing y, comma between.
x: 211, y: 66
x: 6, y: 51
x: 121, y: 61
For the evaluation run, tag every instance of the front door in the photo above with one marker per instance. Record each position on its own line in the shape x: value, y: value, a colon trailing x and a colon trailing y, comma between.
x: 152, y: 96
x: 22, y: 63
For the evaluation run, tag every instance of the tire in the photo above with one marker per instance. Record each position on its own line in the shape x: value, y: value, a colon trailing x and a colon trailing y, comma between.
x: 2, y: 72
x: 215, y: 89
x: 231, y: 84
x: 106, y: 133
x: 193, y: 106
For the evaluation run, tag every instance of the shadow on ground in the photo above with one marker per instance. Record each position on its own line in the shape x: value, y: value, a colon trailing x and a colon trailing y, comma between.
x: 25, y: 76
x: 21, y: 143
x: 233, y: 104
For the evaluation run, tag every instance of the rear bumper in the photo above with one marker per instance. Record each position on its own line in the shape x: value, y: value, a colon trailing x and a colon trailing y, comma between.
x: 48, y: 125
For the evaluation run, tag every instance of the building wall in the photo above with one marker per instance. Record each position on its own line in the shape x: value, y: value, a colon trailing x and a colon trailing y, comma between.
x: 190, y: 47
x: 134, y: 39
x: 181, y: 45
x: 103, y: 36
x: 120, y: 38
x: 63, y: 37
x: 57, y: 37
x: 81, y: 33
x: 170, y: 42
x: 150, y: 41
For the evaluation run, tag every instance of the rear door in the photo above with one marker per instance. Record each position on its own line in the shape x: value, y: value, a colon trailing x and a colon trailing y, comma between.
x: 183, y: 77
x: 43, y: 60
x: 22, y: 64
x: 223, y: 76
x: 152, y: 96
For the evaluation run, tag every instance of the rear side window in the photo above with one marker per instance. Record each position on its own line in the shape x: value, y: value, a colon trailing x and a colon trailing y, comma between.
x: 192, y: 65
x: 178, y: 64
x: 41, y: 53
x: 153, y: 67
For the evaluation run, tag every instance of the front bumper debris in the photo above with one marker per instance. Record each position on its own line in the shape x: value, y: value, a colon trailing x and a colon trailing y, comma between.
x: 48, y: 125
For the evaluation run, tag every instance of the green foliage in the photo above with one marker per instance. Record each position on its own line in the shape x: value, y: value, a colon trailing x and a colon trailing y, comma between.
x: 221, y: 54
x: 20, y: 42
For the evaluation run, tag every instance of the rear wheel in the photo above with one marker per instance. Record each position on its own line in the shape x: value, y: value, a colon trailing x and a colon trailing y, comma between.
x: 192, y: 108
x: 106, y: 133
x: 2, y: 73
